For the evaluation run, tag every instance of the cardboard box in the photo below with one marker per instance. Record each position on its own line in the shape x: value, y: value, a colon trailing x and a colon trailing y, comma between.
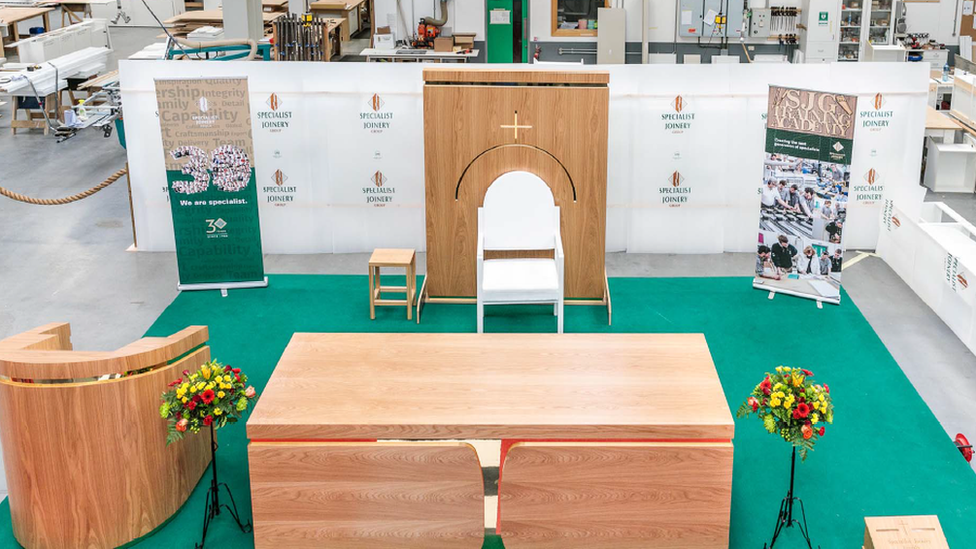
x: 444, y: 44
x: 921, y: 532
x: 464, y: 39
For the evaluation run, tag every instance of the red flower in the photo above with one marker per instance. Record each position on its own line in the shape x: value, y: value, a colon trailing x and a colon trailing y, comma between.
x: 821, y: 431
x: 191, y: 405
x: 803, y: 409
x: 175, y: 383
x: 807, y: 431
x: 181, y: 425
x: 186, y: 373
x: 826, y: 388
x: 207, y: 397
x: 227, y: 368
x: 766, y: 386
x: 236, y: 370
x: 807, y: 373
x: 196, y: 398
x: 754, y: 403
x: 209, y: 420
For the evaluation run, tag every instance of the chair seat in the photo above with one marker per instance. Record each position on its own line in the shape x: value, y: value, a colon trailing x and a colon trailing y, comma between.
x: 520, y: 280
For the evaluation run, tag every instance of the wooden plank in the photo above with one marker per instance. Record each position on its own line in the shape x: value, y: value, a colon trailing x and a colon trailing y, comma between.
x: 16, y: 15
x: 479, y: 75
x: 213, y: 16
x: 620, y: 495
x: 366, y: 495
x: 566, y: 147
x: 392, y: 257
x: 493, y: 386
x: 904, y: 532
x: 935, y: 120
x: 59, y: 439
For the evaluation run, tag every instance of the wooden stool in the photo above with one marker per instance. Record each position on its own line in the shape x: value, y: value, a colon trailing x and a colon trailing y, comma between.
x: 392, y: 257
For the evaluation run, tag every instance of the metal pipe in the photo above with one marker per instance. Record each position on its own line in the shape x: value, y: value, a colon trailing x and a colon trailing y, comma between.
x: 438, y: 22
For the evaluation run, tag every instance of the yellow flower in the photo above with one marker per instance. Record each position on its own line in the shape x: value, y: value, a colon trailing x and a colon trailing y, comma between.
x: 774, y: 402
x: 797, y: 380
x: 210, y: 385
x: 788, y: 403
x: 822, y: 397
x: 816, y: 405
x: 217, y: 411
x: 205, y: 372
x: 185, y: 400
x: 221, y: 394
x: 814, y: 418
x: 778, y: 387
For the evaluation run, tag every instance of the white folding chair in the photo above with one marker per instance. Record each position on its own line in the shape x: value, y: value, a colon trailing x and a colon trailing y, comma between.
x: 519, y: 214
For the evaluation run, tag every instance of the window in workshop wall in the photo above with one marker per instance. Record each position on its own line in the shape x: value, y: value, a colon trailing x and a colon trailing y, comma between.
x: 576, y: 17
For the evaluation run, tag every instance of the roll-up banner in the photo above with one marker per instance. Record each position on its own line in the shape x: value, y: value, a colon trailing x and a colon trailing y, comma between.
x: 803, y: 200
x: 206, y: 129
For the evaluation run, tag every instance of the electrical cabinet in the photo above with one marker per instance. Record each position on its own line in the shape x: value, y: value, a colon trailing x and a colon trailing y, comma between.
x: 759, y: 23
x: 710, y: 19
x: 820, y: 40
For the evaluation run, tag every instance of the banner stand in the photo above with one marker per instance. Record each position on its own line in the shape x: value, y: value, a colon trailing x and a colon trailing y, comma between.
x: 224, y: 286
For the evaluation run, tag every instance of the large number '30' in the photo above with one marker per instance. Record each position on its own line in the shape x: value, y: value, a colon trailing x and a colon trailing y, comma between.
x: 229, y: 166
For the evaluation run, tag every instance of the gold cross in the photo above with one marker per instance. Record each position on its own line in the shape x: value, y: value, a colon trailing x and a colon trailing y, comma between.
x: 516, y: 126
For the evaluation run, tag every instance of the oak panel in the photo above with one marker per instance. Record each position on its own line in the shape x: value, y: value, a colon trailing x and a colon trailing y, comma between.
x: 566, y: 146
x: 359, y: 495
x: 533, y: 76
x: 493, y: 386
x: 620, y: 495
x: 87, y: 463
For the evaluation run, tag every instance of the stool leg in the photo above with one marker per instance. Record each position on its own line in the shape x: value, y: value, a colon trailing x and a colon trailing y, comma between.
x: 372, y: 303
x: 409, y: 287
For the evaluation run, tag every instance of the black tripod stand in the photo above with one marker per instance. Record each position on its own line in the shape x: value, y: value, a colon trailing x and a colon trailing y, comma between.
x: 213, y: 497
x: 785, y: 518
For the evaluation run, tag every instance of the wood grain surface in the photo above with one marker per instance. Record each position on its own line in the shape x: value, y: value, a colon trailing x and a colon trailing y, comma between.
x: 566, y: 146
x: 47, y: 363
x: 493, y: 386
x: 426, y: 495
x: 616, y: 495
x: 477, y: 75
x: 87, y: 463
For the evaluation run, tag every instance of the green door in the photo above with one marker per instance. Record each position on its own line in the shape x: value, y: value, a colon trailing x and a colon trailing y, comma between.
x: 507, y: 31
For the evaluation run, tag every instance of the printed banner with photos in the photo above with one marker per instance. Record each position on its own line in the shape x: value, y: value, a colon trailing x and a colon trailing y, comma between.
x: 806, y: 180
x: 206, y: 131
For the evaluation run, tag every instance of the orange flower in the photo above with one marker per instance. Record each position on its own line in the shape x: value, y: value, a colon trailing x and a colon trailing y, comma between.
x: 181, y: 425
x: 754, y: 403
x: 807, y: 431
x: 250, y: 392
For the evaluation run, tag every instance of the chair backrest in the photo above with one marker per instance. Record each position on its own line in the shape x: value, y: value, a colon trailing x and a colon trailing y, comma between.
x: 519, y: 213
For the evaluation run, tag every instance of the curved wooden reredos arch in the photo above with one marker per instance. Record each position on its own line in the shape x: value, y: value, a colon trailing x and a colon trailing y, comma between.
x: 472, y: 135
x: 84, y: 447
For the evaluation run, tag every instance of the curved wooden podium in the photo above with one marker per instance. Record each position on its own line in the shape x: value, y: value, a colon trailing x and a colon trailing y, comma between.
x: 83, y: 443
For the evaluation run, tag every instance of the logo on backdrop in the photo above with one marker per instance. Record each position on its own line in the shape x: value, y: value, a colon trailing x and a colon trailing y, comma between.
x: 279, y: 194
x: 216, y: 228
x: 871, y: 190
x: 204, y: 105
x: 955, y: 275
x: 376, y: 118
x: 876, y: 117
x: 678, y: 119
x: 276, y: 118
x: 676, y: 193
x: 380, y: 193
x: 888, y: 217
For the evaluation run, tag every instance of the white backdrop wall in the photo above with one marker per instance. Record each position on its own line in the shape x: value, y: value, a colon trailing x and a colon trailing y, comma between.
x: 337, y: 175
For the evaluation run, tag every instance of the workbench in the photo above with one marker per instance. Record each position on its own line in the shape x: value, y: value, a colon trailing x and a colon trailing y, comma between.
x: 354, y: 13
x: 399, y: 55
x: 11, y: 16
x: 75, y: 11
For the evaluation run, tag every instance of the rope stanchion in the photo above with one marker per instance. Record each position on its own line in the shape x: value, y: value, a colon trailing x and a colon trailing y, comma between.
x: 68, y: 199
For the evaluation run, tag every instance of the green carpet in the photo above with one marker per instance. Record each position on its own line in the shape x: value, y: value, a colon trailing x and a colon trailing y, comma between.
x: 886, y: 454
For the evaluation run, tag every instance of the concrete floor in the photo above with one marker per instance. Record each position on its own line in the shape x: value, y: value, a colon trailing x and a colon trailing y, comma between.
x: 69, y: 263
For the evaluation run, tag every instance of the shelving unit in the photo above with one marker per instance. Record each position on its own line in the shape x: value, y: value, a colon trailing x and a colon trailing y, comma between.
x: 864, y: 22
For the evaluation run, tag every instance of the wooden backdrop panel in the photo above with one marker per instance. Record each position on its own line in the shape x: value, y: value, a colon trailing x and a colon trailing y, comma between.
x: 426, y: 495
x: 463, y: 121
x: 623, y: 495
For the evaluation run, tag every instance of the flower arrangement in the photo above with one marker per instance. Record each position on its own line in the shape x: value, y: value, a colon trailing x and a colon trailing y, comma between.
x: 213, y: 396
x: 790, y: 404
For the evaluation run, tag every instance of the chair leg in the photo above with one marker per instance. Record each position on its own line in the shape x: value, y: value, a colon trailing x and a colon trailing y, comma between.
x: 559, y: 317
x: 481, y: 317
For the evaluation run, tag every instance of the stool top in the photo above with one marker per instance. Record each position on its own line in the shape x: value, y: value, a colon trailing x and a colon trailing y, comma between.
x: 392, y: 257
